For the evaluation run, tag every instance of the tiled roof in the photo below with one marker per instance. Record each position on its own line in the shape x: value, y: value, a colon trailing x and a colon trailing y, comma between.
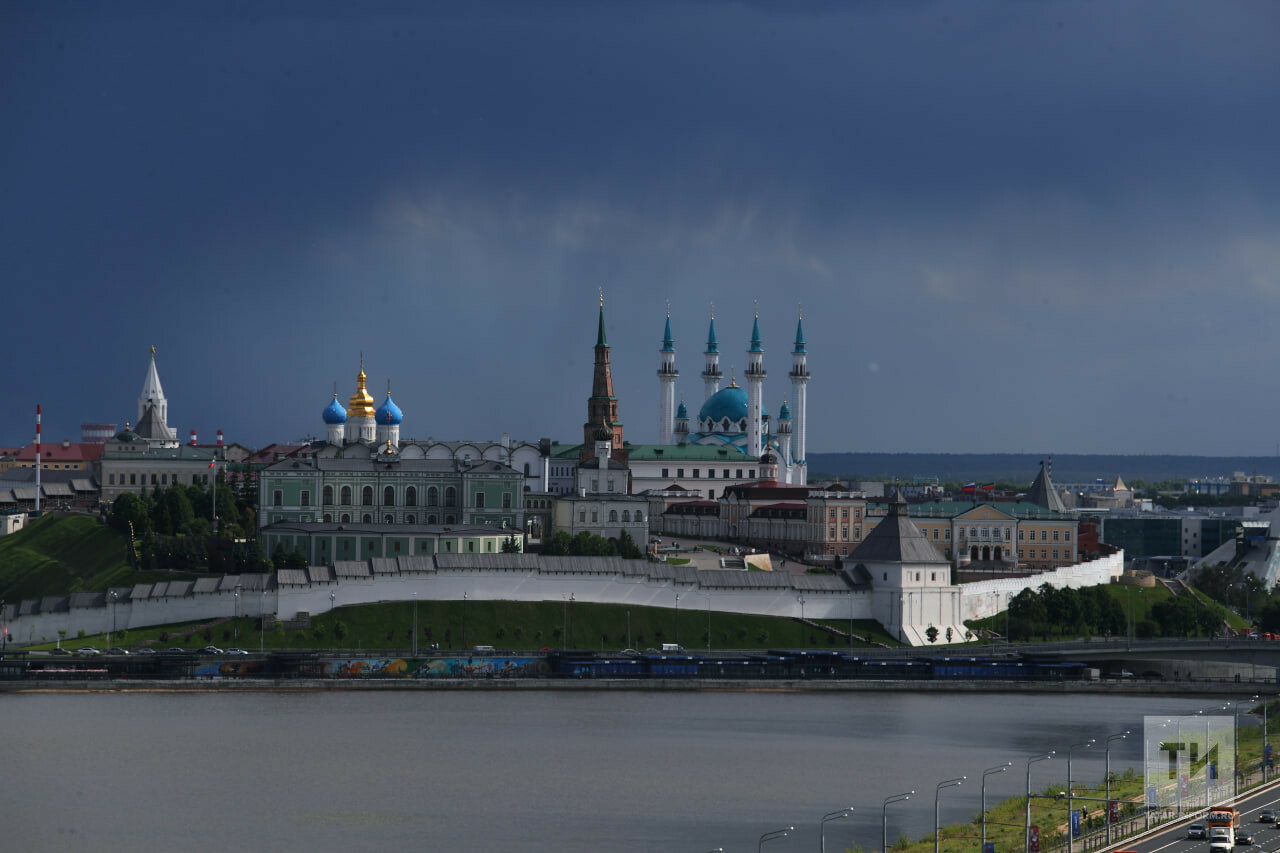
x: 896, y: 540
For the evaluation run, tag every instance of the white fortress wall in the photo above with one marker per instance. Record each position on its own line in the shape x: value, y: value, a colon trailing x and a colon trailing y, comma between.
x: 987, y: 598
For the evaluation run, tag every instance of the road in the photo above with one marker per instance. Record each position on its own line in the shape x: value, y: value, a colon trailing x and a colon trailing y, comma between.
x: 1265, y: 835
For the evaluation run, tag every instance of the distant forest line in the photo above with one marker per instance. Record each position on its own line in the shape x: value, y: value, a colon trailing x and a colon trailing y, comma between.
x: 1023, y: 467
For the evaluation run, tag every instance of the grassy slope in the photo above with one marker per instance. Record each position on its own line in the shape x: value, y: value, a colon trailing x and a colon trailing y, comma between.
x: 54, y: 556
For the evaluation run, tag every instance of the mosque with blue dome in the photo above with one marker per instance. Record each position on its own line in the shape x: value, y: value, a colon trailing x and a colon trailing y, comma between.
x: 734, y: 417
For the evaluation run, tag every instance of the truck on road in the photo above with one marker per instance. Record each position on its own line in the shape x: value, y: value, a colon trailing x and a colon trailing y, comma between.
x: 1223, y: 822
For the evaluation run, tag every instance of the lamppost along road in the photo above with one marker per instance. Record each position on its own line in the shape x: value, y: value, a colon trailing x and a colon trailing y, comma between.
x: 1027, y: 829
x: 1120, y: 736
x: 884, y: 818
x: 937, y: 829
x: 1071, y: 813
x: 770, y: 836
x: 985, y: 773
x: 822, y: 826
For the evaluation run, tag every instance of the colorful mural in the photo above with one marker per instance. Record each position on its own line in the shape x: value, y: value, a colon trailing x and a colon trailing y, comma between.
x: 496, y: 666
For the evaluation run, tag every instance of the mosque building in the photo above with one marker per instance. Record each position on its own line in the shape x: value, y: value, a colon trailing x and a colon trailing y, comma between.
x: 704, y: 456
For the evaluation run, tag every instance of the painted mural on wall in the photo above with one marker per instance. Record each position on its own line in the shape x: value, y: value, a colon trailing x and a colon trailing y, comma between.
x: 496, y: 666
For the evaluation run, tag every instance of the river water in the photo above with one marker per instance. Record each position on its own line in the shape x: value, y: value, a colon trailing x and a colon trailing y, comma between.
x: 524, y: 770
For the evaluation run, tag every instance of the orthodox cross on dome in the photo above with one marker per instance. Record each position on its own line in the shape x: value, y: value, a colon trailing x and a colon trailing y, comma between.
x: 602, y: 297
x: 153, y: 351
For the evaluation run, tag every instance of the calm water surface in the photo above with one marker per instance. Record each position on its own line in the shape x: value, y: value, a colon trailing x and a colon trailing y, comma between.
x: 522, y: 771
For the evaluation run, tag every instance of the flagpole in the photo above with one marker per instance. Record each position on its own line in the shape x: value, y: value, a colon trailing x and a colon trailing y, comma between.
x: 213, y: 463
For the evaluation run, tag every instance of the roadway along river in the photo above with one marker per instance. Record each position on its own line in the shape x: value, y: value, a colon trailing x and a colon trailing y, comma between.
x: 524, y: 771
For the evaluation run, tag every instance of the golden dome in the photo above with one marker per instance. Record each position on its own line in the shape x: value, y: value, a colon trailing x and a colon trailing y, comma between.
x: 361, y: 403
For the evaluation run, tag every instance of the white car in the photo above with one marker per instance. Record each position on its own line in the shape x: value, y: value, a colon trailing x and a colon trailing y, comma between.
x: 88, y: 650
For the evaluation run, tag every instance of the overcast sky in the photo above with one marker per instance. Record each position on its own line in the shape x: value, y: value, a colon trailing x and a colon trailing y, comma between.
x: 1042, y: 227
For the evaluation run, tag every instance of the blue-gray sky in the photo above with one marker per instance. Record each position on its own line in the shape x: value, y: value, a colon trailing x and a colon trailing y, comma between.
x: 1046, y: 227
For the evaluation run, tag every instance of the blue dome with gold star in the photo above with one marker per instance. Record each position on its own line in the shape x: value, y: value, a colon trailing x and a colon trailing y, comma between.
x: 389, y: 412
x: 334, y: 413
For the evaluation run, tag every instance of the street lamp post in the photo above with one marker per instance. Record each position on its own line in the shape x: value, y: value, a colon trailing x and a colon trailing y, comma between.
x: 770, y: 836
x: 235, y: 625
x: 464, y: 619
x: 677, y: 618
x: 985, y: 773
x: 629, y: 630
x: 937, y: 831
x: 415, y: 624
x: 1236, y: 747
x: 822, y: 826
x: 803, y: 632
x: 114, y: 596
x: 884, y: 819
x: 262, y: 619
x: 1027, y: 830
x: 708, y: 598
x: 1071, y: 790
x: 1119, y: 736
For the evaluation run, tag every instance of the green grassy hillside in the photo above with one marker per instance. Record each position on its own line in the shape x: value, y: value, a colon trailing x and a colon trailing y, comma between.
x: 55, y: 556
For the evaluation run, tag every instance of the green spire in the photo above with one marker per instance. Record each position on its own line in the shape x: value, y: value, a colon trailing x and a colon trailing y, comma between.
x: 601, y: 341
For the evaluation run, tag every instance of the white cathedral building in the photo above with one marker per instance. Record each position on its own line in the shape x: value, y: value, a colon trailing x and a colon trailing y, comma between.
x: 734, y: 418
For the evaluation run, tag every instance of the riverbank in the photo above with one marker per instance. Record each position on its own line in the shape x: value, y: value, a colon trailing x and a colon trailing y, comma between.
x: 232, y: 685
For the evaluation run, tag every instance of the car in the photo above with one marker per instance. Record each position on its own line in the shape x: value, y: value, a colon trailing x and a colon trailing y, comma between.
x: 146, y: 650
x: 236, y: 652
x: 631, y: 653
x: 1267, y: 816
x: 211, y: 650
x: 1197, y: 830
x: 1244, y: 836
x: 116, y: 650
x: 88, y: 650
x: 177, y: 650
x: 59, y: 651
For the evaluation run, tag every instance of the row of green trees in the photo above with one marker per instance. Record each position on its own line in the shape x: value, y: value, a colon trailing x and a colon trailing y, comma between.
x: 584, y: 544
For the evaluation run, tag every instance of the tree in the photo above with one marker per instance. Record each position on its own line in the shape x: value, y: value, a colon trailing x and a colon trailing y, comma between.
x: 510, y: 545
x: 627, y: 548
x: 931, y: 633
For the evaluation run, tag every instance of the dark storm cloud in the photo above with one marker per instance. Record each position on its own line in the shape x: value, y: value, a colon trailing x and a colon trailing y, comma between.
x: 1063, y: 213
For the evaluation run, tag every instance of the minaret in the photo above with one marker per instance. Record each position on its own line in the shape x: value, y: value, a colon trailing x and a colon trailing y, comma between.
x: 755, y: 374
x: 360, y: 410
x: 667, y: 375
x: 711, y: 376
x: 799, y: 383
x: 785, y: 465
x: 602, y: 406
x: 682, y: 424
x: 152, y: 394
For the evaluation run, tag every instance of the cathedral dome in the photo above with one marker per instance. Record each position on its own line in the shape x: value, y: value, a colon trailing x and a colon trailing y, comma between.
x: 361, y: 404
x: 334, y: 413
x: 389, y: 412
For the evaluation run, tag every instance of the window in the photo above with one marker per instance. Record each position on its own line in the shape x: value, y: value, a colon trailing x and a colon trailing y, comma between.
x: 1020, y: 533
x: 739, y: 473
x: 451, y: 496
x: 696, y: 471
x: 844, y: 513
x: 1007, y: 532
x: 387, y: 519
x: 751, y: 473
x: 305, y: 499
x: 1066, y: 535
x: 844, y: 532
x: 613, y: 516
x: 679, y: 472
x: 639, y: 516
x: 933, y: 576
x: 831, y: 513
x: 411, y: 496
x: 526, y: 469
x: 346, y: 496
x: 582, y: 516
x: 947, y: 536
x: 328, y: 518
x: 153, y: 479
x: 831, y: 533
x: 367, y: 518
x: 479, y: 500
x: 595, y: 516
x: 1044, y: 555
x: 973, y: 532
x: 506, y: 500
x: 346, y: 518
x: 611, y: 484
x: 984, y: 532
x: 164, y: 478
x: 1055, y: 553
x: 277, y: 498
x: 410, y: 519
x: 1055, y: 536
x: 935, y: 534
x: 711, y: 493
x: 726, y: 473
x: 471, y: 546
x: 366, y: 496
x: 327, y: 496
x: 431, y: 519
x: 1044, y: 536
x: 111, y: 479
x: 664, y: 472
x: 711, y: 473
x: 595, y: 484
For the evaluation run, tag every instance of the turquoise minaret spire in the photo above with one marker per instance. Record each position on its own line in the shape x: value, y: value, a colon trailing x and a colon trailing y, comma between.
x: 711, y: 375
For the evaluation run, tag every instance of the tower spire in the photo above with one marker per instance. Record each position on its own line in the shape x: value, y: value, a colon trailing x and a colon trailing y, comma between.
x: 602, y: 406
x: 667, y: 375
x: 711, y: 375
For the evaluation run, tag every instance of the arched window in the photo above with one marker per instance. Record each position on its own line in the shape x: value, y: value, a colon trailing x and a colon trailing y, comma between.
x: 328, y: 518
x: 388, y: 519
x: 433, y: 496
x: 410, y: 519
x: 639, y: 516
x: 346, y: 518
x: 346, y: 496
x: 368, y: 519
x: 626, y: 516
x: 526, y: 469
x: 431, y: 519
x: 451, y: 496
x: 450, y: 519
x: 366, y: 496
x: 389, y: 496
x: 411, y: 496
x: 328, y: 496
x: 613, y: 515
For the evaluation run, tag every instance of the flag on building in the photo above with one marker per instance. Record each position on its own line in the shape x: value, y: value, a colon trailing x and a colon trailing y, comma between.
x: 969, y: 487
x: 986, y: 487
